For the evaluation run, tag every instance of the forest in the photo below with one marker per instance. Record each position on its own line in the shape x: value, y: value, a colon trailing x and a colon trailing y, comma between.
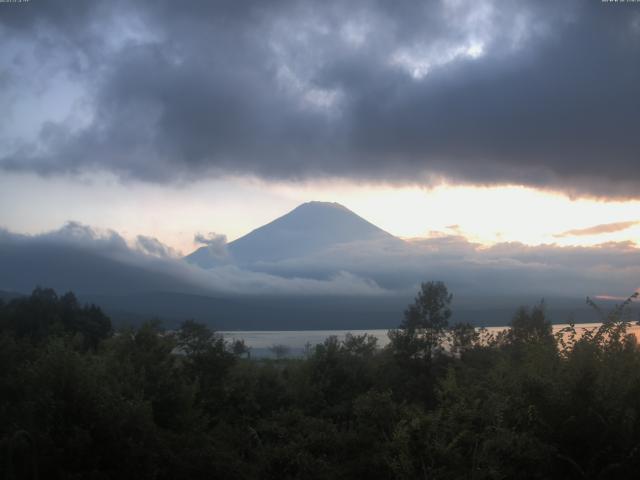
x: 80, y: 399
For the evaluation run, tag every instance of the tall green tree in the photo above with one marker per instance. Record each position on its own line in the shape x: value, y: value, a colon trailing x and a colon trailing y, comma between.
x: 425, y: 322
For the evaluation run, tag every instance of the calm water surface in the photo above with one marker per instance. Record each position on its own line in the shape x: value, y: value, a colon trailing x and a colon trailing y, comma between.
x: 260, y: 342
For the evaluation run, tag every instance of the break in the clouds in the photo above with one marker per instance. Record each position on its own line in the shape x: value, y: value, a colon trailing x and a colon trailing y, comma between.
x: 485, y: 92
x: 598, y: 229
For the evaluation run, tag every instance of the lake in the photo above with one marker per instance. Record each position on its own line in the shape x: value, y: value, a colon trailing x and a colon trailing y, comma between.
x: 295, y: 340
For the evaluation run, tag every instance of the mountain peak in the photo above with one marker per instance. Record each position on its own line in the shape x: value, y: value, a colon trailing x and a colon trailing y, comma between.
x: 319, y: 204
x: 309, y: 228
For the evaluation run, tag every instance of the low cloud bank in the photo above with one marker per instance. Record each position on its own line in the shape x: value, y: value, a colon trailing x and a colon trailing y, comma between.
x: 472, y: 269
x: 81, y: 258
x: 215, y: 243
x: 78, y: 257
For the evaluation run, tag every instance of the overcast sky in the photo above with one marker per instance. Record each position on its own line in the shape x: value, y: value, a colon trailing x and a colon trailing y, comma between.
x: 498, y: 121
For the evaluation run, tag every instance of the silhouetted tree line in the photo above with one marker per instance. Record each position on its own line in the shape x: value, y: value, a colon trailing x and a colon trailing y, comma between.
x: 80, y: 401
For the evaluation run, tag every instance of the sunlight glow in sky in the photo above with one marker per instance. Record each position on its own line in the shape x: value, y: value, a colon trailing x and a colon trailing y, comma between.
x: 235, y: 206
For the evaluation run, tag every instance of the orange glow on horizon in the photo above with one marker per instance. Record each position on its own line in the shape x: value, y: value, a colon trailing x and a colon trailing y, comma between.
x: 236, y: 205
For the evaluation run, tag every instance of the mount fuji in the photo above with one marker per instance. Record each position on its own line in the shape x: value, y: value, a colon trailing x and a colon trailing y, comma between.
x: 310, y: 229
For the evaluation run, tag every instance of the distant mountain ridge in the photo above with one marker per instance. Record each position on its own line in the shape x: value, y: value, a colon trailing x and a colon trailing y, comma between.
x: 66, y: 267
x: 308, y: 229
x: 7, y: 296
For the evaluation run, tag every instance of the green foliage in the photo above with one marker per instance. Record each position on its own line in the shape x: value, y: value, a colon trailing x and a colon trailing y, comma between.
x: 279, y: 350
x: 430, y: 311
x: 44, y: 314
x: 425, y: 322
x: 78, y: 400
x: 462, y: 337
x: 531, y: 326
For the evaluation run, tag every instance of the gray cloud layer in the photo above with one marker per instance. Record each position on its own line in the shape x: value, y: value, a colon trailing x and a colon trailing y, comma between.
x: 216, y: 244
x: 77, y: 257
x: 534, y: 93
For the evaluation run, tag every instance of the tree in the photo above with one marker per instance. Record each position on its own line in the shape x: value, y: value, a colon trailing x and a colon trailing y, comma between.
x: 360, y: 345
x: 279, y: 350
x: 425, y: 322
x: 206, y: 360
x: 43, y: 314
x: 431, y: 309
x: 240, y: 348
x: 531, y: 326
x: 462, y: 337
x: 196, y: 339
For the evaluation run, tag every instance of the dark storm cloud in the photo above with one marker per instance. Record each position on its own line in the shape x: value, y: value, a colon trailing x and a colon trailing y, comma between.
x: 535, y: 93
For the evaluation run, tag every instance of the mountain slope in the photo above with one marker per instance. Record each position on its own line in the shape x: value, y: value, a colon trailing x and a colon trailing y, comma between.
x: 308, y: 229
x: 67, y: 267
